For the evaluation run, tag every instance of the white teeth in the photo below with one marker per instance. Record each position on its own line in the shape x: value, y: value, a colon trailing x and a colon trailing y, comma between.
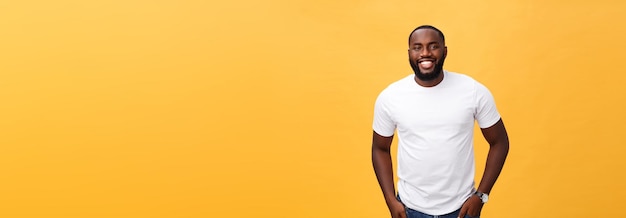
x: 426, y: 64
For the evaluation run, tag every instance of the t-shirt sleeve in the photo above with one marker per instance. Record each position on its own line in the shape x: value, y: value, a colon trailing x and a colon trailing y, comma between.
x: 486, y: 112
x: 383, y: 122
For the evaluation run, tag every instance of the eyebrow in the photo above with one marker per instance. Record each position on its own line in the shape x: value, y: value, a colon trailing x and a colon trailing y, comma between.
x: 430, y: 43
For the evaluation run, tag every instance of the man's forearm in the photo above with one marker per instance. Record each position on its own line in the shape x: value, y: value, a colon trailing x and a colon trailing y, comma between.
x: 495, y: 161
x: 381, y: 159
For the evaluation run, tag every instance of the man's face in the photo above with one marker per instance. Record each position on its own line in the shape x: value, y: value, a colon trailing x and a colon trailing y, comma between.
x: 427, y: 52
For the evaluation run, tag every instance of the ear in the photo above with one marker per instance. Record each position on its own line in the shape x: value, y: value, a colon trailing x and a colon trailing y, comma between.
x: 445, y: 51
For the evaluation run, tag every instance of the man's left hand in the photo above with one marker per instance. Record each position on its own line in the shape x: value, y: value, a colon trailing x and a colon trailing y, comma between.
x: 471, y: 207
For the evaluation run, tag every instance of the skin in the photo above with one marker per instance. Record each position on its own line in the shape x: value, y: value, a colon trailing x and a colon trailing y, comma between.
x: 425, y: 44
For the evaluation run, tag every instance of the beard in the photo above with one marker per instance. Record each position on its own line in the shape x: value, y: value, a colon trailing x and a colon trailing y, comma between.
x: 430, y: 76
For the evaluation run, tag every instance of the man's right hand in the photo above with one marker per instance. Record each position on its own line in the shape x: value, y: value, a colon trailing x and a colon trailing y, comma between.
x: 397, y: 209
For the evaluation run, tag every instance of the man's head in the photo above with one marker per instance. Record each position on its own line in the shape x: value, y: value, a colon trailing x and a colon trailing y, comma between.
x: 427, y: 52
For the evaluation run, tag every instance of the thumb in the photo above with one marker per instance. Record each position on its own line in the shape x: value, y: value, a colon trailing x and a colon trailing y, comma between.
x: 402, y: 213
x: 463, y: 211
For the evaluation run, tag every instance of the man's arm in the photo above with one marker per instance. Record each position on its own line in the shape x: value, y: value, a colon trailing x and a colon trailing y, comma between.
x: 381, y: 159
x: 498, y: 141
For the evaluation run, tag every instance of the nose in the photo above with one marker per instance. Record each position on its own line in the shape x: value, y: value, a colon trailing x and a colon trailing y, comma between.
x: 426, y: 52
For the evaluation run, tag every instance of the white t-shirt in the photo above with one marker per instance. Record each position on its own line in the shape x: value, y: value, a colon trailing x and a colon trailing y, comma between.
x: 435, y: 132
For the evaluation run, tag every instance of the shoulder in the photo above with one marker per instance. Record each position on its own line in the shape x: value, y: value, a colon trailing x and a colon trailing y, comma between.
x: 466, y: 80
x: 397, y: 86
x: 460, y: 78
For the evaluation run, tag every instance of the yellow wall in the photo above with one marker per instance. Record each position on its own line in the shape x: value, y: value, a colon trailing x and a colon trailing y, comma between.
x: 263, y: 108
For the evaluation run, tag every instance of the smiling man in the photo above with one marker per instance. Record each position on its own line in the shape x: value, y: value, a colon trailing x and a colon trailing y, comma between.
x: 434, y: 111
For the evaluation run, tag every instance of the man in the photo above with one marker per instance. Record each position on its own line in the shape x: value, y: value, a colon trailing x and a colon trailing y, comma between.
x: 434, y: 112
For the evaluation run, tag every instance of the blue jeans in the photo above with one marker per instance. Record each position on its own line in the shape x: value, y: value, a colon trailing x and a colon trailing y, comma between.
x: 410, y: 213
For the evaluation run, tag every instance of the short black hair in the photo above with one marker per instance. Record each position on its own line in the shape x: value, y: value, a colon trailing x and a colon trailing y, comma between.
x: 428, y: 27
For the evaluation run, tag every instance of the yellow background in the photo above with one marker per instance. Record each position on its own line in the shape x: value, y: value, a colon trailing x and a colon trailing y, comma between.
x: 189, y: 108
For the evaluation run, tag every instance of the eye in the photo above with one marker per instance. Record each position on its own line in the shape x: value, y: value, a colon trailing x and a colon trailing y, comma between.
x: 434, y: 46
x: 417, y: 48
